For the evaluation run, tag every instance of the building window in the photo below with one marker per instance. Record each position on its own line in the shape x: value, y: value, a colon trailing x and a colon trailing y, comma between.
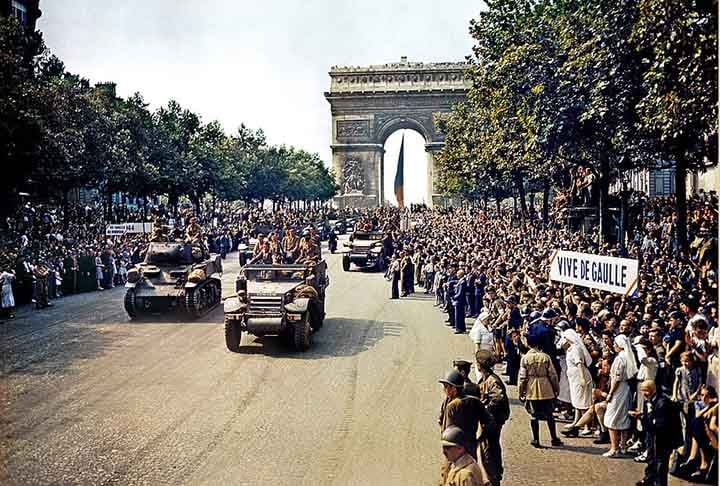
x: 19, y: 11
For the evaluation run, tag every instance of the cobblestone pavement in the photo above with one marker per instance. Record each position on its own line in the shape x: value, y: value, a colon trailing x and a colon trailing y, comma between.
x: 89, y: 397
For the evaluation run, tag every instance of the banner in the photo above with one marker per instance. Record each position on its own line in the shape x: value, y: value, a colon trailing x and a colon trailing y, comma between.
x: 115, y: 230
x: 617, y: 275
x: 124, y: 228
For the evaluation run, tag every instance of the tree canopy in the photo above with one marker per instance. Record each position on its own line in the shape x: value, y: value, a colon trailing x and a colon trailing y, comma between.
x: 59, y: 132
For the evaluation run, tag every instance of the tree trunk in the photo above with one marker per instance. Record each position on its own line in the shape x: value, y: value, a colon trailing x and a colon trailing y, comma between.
x: 144, y: 198
x: 497, y: 204
x: 546, y: 202
x: 109, y: 204
x: 66, y: 220
x: 519, y: 183
x: 603, y: 210
x: 681, y: 206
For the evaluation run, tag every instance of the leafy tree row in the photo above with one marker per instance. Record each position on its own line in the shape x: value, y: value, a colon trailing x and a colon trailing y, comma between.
x: 612, y: 85
x: 58, y: 133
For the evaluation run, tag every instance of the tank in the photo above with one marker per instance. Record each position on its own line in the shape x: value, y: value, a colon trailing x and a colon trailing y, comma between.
x: 174, y: 277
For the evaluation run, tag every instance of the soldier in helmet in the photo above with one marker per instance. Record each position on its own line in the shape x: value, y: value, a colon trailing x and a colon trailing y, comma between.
x: 464, y: 411
x: 309, y: 250
x: 460, y: 469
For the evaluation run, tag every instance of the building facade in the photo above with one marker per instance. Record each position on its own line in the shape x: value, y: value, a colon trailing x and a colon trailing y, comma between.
x: 25, y: 11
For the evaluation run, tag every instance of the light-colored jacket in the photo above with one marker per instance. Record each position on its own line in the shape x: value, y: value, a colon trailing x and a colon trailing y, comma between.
x: 465, y: 472
x: 537, y: 379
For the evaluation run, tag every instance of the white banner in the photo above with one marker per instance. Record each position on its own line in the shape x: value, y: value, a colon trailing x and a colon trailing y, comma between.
x: 124, y: 228
x: 115, y: 230
x: 617, y: 275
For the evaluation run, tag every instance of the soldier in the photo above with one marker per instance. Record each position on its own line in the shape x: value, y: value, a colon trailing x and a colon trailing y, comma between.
x: 459, y: 301
x: 466, y: 412
x: 493, y: 394
x: 460, y: 469
x: 463, y: 367
x: 290, y: 245
x: 309, y: 250
x: 193, y: 233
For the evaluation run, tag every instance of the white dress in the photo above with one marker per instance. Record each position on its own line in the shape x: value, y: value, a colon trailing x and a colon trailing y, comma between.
x: 564, y: 393
x: 616, y: 415
x: 580, y: 394
x: 8, y: 299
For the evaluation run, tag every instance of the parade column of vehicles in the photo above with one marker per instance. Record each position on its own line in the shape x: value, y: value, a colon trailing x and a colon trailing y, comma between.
x: 287, y: 300
x: 284, y: 300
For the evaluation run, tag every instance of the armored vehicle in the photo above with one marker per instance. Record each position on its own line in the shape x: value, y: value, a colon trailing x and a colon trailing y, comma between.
x: 284, y: 300
x: 174, y: 276
x: 365, y: 250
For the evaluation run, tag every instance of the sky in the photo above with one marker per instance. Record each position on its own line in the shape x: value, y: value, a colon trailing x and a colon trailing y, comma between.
x: 261, y: 63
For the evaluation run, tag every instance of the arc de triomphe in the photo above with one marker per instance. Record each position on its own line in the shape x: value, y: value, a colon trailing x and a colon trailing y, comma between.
x: 369, y: 103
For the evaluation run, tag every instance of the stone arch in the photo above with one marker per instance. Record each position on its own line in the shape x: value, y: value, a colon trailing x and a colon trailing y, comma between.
x: 368, y: 104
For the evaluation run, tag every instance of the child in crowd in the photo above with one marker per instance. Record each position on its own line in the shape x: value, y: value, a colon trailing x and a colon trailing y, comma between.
x: 688, y: 380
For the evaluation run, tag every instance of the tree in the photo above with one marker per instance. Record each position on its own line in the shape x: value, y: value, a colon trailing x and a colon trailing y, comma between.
x: 20, y: 125
x: 680, y: 107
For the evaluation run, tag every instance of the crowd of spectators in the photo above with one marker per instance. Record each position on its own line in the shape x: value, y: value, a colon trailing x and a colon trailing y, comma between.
x: 46, y: 252
x: 613, y: 356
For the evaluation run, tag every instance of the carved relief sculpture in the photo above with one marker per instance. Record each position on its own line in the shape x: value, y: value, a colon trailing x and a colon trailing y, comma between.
x: 353, y: 177
x: 353, y: 128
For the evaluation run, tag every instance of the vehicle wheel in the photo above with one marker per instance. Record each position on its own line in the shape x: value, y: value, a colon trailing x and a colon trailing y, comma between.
x: 316, y: 317
x: 192, y: 302
x: 233, y: 335
x: 302, y: 333
x: 346, y: 264
x: 130, y: 304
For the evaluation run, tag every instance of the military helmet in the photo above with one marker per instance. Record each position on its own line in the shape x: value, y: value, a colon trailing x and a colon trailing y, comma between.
x: 453, y: 436
x: 453, y: 378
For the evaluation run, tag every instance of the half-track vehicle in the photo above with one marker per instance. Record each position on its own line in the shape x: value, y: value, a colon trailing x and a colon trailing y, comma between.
x: 364, y: 250
x: 174, y: 276
x: 283, y: 300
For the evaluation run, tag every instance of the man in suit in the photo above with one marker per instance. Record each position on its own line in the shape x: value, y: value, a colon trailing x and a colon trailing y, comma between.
x: 661, y: 419
x: 459, y: 302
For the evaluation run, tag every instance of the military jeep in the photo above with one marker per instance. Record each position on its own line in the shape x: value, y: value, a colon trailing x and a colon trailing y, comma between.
x: 364, y: 250
x: 284, y: 300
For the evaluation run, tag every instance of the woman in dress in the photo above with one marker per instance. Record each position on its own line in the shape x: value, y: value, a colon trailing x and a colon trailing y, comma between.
x: 617, y: 419
x: 7, y: 301
x: 99, y: 270
x: 578, y: 361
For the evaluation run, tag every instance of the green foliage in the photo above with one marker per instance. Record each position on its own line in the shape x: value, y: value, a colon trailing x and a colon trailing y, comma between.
x: 59, y: 133
x: 612, y: 85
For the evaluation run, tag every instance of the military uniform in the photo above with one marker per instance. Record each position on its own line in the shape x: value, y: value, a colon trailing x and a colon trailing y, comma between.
x: 493, y: 394
x: 466, y: 412
x: 193, y: 233
x: 464, y: 472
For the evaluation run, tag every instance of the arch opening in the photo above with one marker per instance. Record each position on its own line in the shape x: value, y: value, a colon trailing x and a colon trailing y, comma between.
x: 415, y: 166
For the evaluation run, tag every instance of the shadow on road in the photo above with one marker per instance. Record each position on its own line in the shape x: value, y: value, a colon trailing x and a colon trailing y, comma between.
x: 337, y: 338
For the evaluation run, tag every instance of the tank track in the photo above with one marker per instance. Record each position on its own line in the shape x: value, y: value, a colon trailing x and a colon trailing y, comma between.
x: 203, y: 298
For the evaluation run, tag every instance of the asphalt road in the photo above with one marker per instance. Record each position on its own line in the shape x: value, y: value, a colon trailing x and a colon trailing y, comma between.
x: 88, y: 397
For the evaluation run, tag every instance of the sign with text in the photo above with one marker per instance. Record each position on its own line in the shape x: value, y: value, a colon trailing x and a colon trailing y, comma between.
x: 124, y: 228
x: 617, y: 275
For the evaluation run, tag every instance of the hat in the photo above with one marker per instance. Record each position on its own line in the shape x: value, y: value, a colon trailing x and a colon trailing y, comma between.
x: 562, y: 325
x: 453, y: 436
x: 461, y: 362
x: 525, y: 311
x: 548, y: 314
x: 453, y: 378
x: 511, y: 299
